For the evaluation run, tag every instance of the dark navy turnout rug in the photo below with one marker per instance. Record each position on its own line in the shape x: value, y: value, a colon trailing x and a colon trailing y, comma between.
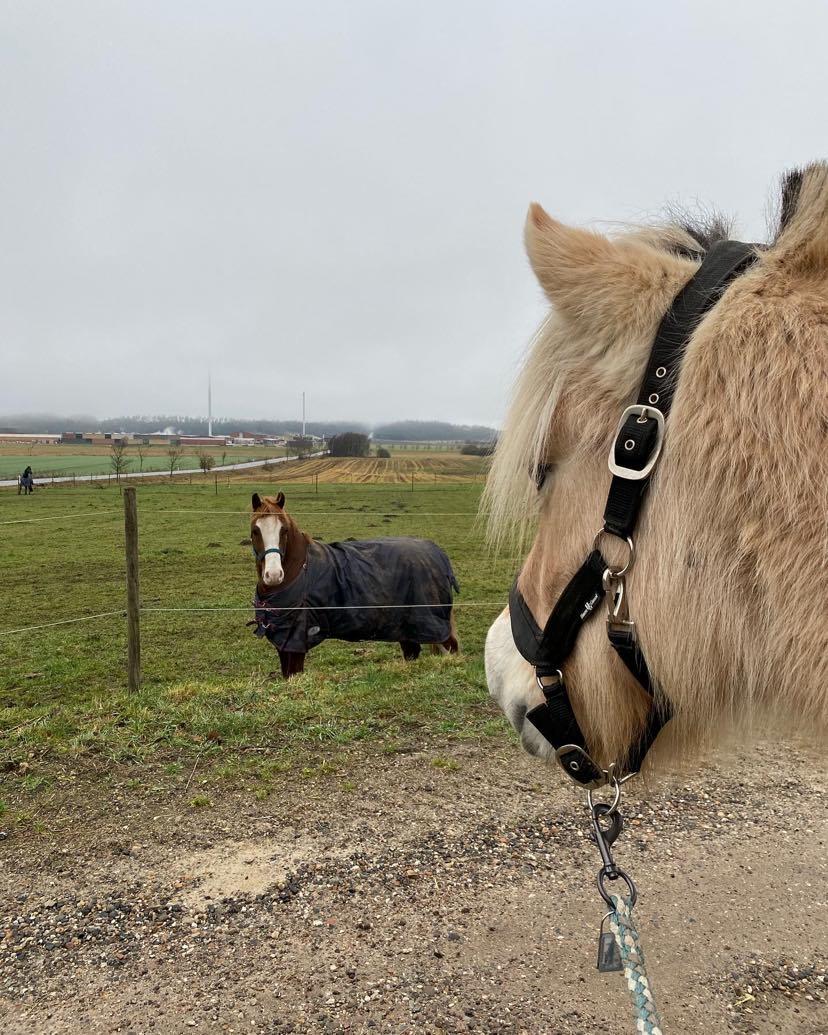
x: 346, y: 591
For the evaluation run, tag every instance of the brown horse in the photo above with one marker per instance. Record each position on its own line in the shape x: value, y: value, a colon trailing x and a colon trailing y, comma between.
x: 392, y: 589
x: 727, y: 588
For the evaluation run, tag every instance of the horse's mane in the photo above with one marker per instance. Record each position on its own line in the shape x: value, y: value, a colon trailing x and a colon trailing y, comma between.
x: 511, y: 497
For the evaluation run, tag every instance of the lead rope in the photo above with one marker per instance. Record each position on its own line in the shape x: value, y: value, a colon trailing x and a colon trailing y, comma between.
x: 623, y: 927
x: 621, y: 949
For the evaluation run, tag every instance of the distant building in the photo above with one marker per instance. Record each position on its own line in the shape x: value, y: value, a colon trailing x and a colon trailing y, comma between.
x: 246, y: 438
x: 106, y: 438
x: 39, y: 438
x: 159, y: 438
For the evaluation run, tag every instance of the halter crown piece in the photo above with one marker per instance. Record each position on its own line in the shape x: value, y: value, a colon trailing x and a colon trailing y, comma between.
x: 634, y: 455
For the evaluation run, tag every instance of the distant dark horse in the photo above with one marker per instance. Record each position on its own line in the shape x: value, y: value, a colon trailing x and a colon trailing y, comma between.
x: 398, y: 590
x: 25, y: 483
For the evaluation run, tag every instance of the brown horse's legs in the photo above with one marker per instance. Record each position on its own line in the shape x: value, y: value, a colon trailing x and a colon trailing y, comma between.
x: 292, y: 662
x: 449, y: 646
x: 452, y: 645
x: 410, y: 649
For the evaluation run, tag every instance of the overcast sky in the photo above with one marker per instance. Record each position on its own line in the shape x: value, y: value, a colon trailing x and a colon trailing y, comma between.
x: 330, y: 196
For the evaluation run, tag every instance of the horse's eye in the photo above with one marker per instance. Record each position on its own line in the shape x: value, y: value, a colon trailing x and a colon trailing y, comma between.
x: 541, y: 473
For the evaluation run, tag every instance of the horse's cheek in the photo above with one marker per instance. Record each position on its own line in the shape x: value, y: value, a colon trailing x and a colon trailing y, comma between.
x: 510, y: 679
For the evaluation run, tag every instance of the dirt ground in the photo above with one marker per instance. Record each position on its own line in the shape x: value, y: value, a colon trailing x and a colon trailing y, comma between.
x: 418, y: 897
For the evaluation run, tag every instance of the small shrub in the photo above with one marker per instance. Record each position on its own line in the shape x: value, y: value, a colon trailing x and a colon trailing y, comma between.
x: 478, y: 448
x: 383, y: 453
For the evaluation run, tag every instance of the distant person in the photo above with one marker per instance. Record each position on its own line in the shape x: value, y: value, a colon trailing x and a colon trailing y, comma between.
x: 26, y: 483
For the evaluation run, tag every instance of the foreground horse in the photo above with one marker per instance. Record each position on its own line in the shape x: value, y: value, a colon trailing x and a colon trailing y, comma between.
x: 727, y: 586
x: 397, y: 590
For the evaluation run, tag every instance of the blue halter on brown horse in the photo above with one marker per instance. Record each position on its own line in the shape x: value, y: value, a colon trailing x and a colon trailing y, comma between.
x: 397, y: 590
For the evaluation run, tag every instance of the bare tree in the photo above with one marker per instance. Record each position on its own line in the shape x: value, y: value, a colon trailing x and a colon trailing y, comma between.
x: 174, y: 454
x: 118, y: 460
x: 141, y: 450
x: 206, y: 461
x: 223, y: 459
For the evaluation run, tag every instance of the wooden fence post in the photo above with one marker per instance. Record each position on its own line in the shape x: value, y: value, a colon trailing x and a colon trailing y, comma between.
x: 216, y: 477
x: 133, y: 599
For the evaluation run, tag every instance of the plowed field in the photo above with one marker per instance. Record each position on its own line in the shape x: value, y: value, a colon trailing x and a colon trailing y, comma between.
x: 435, y: 467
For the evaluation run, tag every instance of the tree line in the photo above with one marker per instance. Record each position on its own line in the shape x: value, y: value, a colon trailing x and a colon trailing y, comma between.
x: 395, y: 431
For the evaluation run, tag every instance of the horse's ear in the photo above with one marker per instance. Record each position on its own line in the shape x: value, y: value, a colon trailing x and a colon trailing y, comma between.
x: 564, y: 258
x: 257, y: 501
x: 802, y: 243
x: 592, y: 278
x: 280, y: 500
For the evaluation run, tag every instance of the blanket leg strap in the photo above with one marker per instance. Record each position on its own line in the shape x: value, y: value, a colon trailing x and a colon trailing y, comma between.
x: 623, y: 928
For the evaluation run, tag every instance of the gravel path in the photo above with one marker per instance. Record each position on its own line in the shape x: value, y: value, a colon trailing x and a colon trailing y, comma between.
x: 418, y: 898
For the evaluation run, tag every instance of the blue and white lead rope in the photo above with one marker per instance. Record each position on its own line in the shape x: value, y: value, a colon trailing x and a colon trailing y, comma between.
x: 632, y: 959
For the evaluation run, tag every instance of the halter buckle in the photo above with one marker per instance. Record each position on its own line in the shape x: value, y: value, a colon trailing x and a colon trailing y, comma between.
x: 643, y: 413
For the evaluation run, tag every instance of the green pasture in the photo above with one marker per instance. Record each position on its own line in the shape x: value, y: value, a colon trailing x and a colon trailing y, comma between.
x: 209, y: 686
x: 75, y: 460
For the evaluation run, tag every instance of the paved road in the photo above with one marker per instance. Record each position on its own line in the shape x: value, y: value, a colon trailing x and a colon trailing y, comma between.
x: 162, y: 474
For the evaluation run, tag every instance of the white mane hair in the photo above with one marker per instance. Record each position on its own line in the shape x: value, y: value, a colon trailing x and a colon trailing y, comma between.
x: 558, y: 351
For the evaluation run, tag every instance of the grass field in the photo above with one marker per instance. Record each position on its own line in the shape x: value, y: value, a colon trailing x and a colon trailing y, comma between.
x: 46, y: 461
x: 209, y: 687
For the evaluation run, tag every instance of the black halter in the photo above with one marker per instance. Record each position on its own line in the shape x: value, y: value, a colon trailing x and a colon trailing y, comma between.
x: 633, y: 456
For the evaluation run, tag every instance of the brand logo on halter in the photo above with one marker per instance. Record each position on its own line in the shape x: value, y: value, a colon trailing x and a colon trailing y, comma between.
x: 589, y: 606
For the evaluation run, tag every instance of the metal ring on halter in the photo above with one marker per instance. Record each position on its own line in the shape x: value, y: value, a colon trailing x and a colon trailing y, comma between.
x: 617, y: 572
x: 626, y: 878
x: 616, y: 787
x: 613, y: 777
x: 543, y: 687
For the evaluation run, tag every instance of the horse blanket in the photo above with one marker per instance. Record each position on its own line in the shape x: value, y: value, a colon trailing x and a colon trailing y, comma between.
x: 353, y: 591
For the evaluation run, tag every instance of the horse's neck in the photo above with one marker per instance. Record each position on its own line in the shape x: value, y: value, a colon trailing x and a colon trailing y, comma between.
x: 296, y: 552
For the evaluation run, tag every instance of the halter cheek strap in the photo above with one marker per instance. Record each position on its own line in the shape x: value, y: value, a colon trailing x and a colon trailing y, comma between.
x: 633, y: 457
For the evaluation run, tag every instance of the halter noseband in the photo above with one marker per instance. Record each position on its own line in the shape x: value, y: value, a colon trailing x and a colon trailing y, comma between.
x: 633, y: 457
x: 261, y: 556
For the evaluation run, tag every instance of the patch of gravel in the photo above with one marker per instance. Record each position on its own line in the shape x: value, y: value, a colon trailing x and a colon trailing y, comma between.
x: 760, y: 985
x: 471, y: 908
